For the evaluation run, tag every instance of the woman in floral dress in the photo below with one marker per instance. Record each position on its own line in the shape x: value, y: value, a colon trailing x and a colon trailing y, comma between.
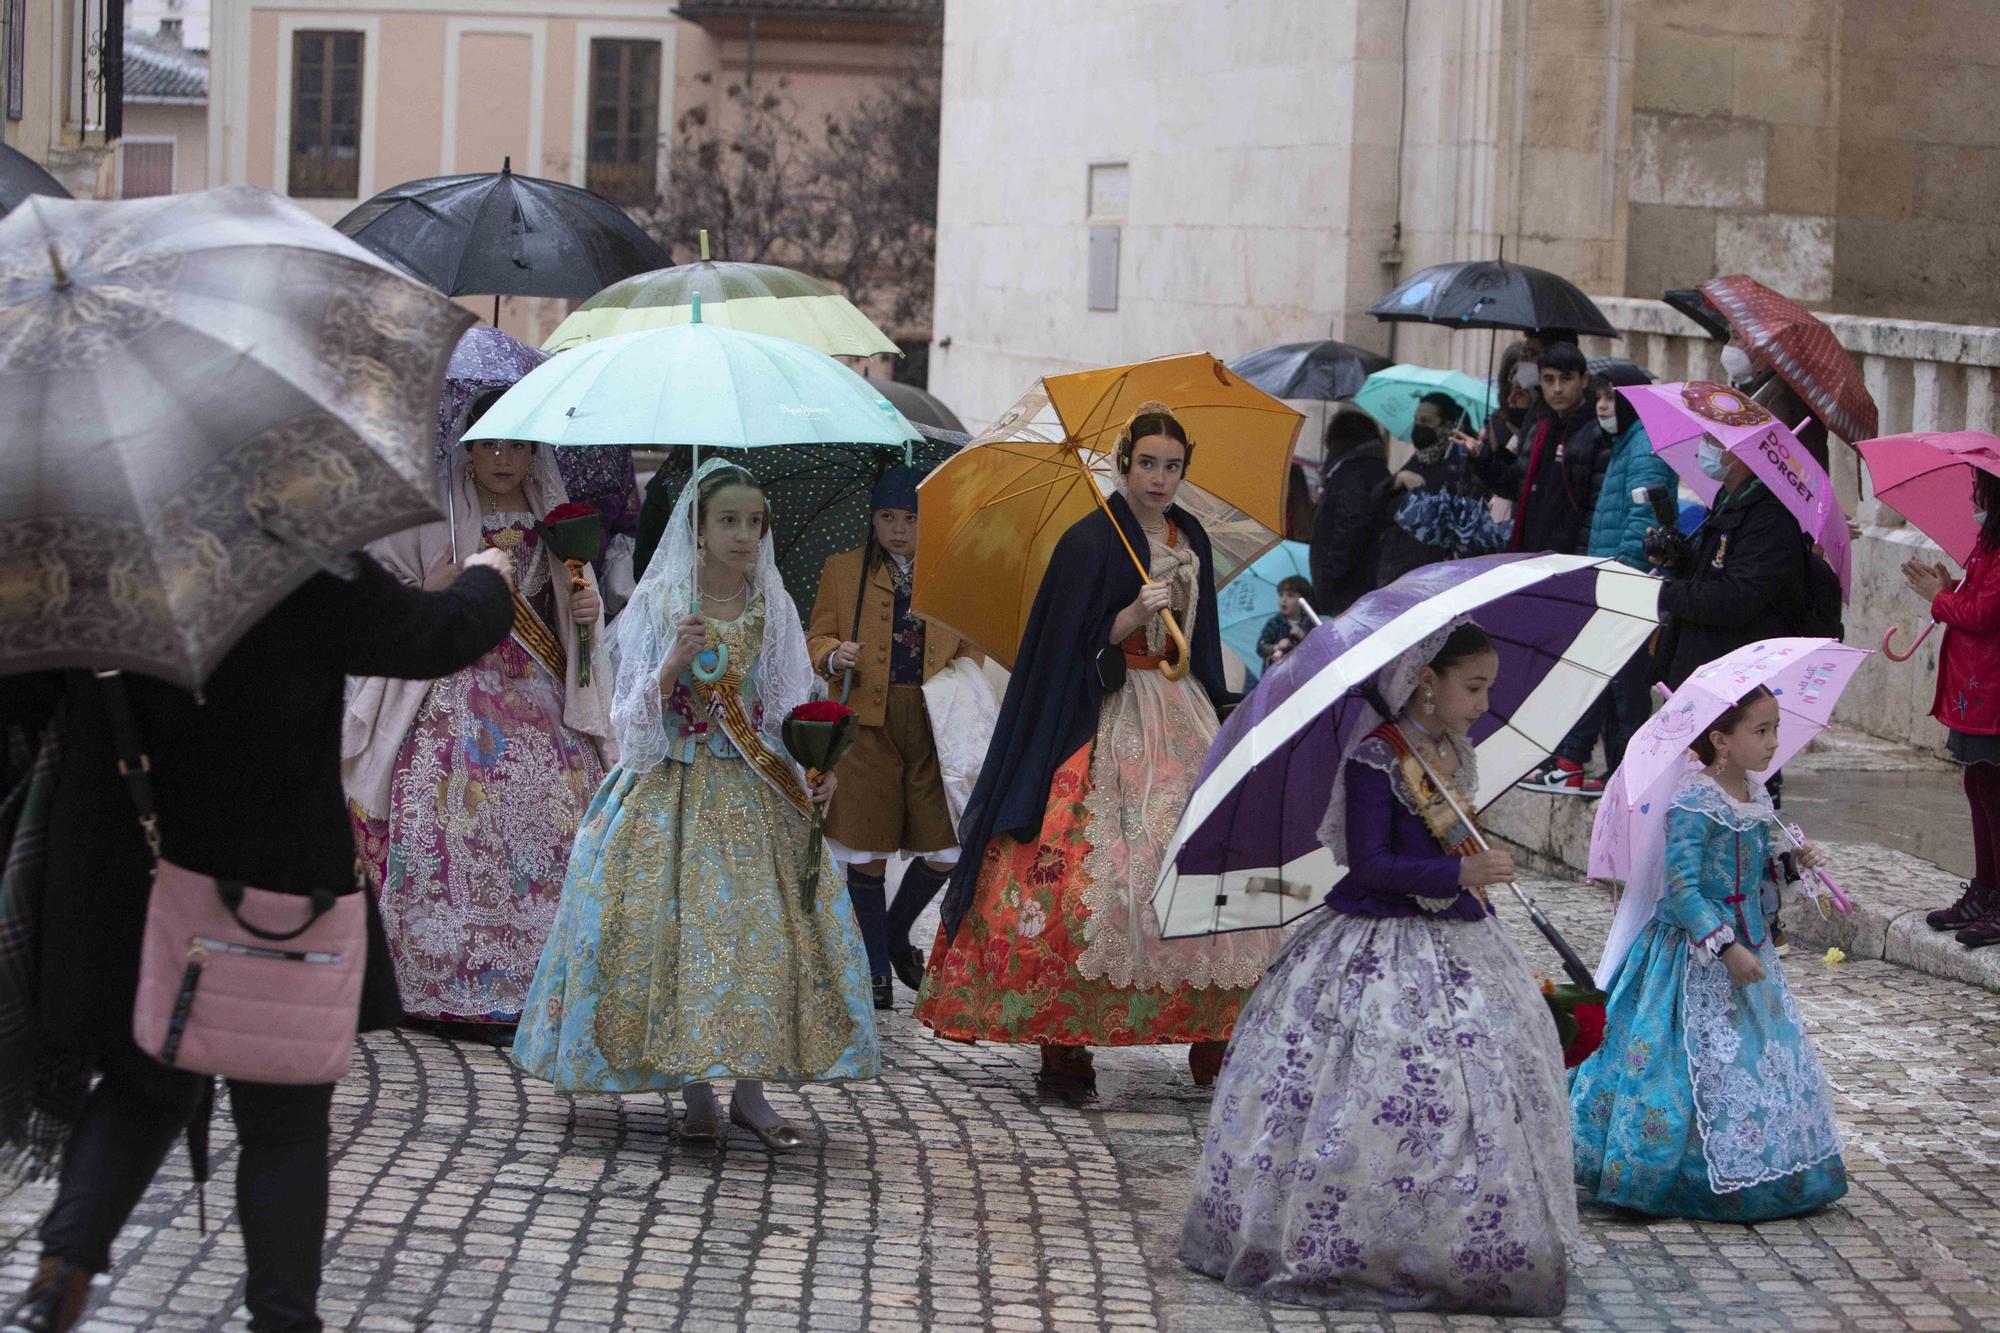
x: 1049, y: 934
x: 1391, y: 1131
x: 466, y: 792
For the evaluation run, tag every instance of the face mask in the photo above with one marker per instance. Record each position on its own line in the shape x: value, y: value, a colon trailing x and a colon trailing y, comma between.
x: 1423, y: 437
x: 1708, y: 457
x: 1735, y: 363
x: 1527, y: 375
x: 1608, y: 420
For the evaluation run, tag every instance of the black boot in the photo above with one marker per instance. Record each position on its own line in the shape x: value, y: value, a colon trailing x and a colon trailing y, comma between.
x: 885, y: 993
x: 1971, y: 905
x: 54, y: 1301
x: 1984, y: 931
x: 909, y: 965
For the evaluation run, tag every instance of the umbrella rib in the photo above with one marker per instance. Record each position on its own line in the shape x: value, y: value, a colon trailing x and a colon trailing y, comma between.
x: 1015, y: 495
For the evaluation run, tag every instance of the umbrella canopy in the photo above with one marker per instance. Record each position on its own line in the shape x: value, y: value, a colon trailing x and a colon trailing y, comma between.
x: 1677, y: 416
x: 756, y: 298
x: 699, y: 385
x: 1391, y: 396
x: 485, y: 359
x: 992, y: 515
x: 1783, y: 336
x: 1605, y: 365
x: 499, y: 234
x: 1323, y: 370
x: 919, y: 407
x: 209, y: 397
x: 1690, y: 302
x: 1251, y: 599
x: 1927, y: 478
x: 1563, y: 624
x: 818, y: 497
x: 21, y: 176
x: 1493, y: 294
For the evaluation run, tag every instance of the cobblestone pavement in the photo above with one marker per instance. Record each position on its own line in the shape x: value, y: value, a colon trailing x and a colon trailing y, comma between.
x: 950, y: 1195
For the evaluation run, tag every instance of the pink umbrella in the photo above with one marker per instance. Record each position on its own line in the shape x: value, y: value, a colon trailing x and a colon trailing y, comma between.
x: 1927, y: 478
x: 1806, y: 675
x: 1677, y: 416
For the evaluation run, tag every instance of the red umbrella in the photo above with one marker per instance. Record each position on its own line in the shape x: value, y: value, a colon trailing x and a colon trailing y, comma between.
x: 1927, y: 478
x: 1784, y: 336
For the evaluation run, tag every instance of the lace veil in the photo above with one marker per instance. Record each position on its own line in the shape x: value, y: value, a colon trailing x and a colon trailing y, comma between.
x: 642, y: 634
x: 1395, y: 682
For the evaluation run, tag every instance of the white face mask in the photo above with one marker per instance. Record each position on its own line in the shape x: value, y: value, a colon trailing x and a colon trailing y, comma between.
x: 1527, y: 374
x: 1735, y: 363
x: 1709, y: 458
x: 1608, y: 418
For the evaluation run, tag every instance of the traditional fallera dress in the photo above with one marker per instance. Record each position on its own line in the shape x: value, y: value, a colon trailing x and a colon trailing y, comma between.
x: 466, y: 792
x: 1390, y: 1130
x: 683, y: 951
x: 1706, y: 1099
x: 1049, y: 933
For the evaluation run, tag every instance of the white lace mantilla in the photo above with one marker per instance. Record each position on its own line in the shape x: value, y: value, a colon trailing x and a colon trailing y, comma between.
x: 1705, y: 796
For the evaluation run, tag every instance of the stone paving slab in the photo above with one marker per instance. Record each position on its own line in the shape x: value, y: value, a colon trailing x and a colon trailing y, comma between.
x: 951, y: 1195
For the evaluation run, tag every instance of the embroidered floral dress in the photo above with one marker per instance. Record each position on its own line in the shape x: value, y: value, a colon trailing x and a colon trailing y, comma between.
x: 1390, y: 1131
x: 1062, y: 946
x: 488, y: 791
x: 682, y: 951
x: 1706, y: 1099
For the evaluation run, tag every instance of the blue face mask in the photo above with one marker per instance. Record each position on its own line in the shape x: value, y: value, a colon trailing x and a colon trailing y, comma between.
x: 1709, y: 458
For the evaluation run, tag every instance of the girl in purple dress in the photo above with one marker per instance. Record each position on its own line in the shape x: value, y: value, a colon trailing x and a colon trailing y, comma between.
x: 1391, y: 1128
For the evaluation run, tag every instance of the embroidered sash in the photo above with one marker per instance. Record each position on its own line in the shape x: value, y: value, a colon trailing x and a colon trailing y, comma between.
x: 540, y: 641
x: 1452, y: 833
x: 725, y: 701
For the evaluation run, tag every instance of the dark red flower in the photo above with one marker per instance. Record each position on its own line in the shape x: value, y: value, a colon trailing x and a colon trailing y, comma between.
x: 1589, y: 1034
x: 820, y: 710
x: 563, y: 513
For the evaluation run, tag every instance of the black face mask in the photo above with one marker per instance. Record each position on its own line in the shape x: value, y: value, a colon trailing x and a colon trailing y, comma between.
x: 1423, y: 437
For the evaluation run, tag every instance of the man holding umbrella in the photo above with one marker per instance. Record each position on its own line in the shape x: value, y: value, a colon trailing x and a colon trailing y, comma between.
x: 892, y: 788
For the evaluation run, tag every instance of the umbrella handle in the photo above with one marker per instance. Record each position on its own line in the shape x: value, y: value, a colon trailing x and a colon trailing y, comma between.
x: 1179, y: 667
x: 1909, y: 652
x: 846, y: 684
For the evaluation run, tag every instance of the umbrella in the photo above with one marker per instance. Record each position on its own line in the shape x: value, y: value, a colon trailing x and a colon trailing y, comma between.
x: 499, y: 234
x: 1926, y: 476
x: 1493, y: 294
x: 699, y: 385
x: 756, y: 298
x: 209, y: 398
x: 919, y: 407
x: 1247, y: 854
x: 1628, y: 834
x: 1783, y: 336
x: 21, y: 176
x: 818, y: 496
x: 1251, y: 599
x: 1391, y: 395
x: 991, y: 515
x: 1690, y: 302
x: 1323, y: 370
x: 1604, y: 365
x: 1677, y: 416
x: 485, y: 359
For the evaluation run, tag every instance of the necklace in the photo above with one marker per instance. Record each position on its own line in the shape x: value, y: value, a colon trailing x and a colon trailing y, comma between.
x: 1440, y: 745
x: 740, y: 593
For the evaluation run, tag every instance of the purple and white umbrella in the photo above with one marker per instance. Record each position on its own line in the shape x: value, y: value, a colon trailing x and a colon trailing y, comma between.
x: 1247, y: 854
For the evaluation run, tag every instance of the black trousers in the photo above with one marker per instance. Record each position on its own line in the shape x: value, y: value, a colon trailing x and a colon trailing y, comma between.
x: 137, y: 1111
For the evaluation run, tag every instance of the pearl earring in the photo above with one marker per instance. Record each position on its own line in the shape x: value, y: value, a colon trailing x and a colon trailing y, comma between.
x: 1430, y: 702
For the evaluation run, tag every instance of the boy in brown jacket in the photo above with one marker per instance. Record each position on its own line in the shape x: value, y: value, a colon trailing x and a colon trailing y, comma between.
x: 892, y: 795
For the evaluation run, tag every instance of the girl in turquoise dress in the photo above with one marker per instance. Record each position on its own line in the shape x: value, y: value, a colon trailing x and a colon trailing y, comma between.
x: 1706, y: 1099
x: 683, y: 951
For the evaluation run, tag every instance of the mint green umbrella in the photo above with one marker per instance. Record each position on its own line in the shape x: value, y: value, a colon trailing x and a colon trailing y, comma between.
x: 696, y: 385
x: 1390, y: 396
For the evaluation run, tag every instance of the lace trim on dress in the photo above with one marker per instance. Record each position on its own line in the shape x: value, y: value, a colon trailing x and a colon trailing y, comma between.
x: 1376, y: 754
x: 1705, y: 796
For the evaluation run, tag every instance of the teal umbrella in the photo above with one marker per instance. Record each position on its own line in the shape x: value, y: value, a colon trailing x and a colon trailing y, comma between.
x: 696, y: 385
x: 1246, y: 602
x: 1390, y: 396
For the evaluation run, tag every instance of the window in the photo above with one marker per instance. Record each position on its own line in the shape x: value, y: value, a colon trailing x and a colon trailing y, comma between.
x: 326, y: 115
x: 623, y: 161
x: 1110, y: 186
x: 145, y: 168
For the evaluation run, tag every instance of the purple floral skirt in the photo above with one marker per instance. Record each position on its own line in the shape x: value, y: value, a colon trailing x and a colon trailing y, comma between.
x: 1391, y: 1128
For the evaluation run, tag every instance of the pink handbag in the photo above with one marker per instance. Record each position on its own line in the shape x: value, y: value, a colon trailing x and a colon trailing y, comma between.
x: 234, y: 981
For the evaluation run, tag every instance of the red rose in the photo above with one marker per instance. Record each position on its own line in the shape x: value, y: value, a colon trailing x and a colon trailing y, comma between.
x: 564, y: 512
x: 820, y: 710
x: 1589, y: 1034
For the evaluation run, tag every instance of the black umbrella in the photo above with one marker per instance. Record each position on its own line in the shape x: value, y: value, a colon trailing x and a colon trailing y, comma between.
x: 1494, y: 294
x: 21, y: 176
x: 1323, y: 370
x: 1605, y: 365
x: 500, y: 234
x: 919, y: 407
x: 1691, y: 302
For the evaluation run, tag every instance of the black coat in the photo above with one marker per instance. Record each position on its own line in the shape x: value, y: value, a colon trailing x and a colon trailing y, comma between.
x: 1347, y: 529
x: 1553, y: 511
x: 246, y: 779
x: 1747, y: 582
x: 1399, y: 552
x: 1055, y: 693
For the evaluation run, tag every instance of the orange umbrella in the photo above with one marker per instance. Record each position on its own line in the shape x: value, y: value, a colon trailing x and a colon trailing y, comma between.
x: 992, y: 514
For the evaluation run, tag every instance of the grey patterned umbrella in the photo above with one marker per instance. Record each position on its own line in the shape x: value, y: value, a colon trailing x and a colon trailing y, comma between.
x: 208, y: 397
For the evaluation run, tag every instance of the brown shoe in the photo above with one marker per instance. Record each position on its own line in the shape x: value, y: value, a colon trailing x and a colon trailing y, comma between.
x: 54, y: 1301
x: 1068, y: 1067
x: 1205, y: 1061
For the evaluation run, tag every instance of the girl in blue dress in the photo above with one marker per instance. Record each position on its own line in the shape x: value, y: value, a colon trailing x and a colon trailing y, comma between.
x: 1706, y: 1099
